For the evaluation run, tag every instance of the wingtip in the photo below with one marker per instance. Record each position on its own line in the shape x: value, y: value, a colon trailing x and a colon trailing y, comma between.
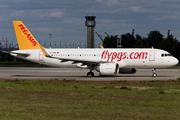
x: 101, y: 47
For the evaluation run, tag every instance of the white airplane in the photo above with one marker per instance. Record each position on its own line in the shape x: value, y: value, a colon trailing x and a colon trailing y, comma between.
x: 106, y: 61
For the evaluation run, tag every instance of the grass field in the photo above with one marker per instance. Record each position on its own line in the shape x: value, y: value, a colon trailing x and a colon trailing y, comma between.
x: 87, y: 100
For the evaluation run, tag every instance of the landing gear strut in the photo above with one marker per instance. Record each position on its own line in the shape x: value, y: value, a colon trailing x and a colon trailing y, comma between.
x: 90, y: 74
x: 154, y: 72
x: 92, y: 67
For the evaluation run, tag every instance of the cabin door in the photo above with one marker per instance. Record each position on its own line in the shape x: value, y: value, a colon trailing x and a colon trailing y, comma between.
x: 41, y: 56
x: 152, y: 55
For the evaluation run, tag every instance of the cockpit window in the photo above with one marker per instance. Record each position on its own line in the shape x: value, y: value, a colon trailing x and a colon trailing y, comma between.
x: 165, y: 55
x: 169, y: 55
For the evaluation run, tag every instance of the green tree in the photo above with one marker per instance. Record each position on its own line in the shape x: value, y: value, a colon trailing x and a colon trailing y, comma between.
x: 141, y: 42
x: 110, y: 42
x: 154, y: 39
x: 171, y: 45
x: 128, y: 41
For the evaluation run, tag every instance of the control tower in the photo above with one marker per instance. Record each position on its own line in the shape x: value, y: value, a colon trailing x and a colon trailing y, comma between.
x: 90, y: 23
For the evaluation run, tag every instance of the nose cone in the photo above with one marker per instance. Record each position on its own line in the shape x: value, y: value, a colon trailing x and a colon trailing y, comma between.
x: 175, y: 61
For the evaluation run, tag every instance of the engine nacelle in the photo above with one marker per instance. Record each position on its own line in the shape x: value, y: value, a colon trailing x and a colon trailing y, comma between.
x: 127, y: 70
x: 108, y: 68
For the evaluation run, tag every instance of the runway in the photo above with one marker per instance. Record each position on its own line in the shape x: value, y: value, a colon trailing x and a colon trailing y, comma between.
x: 80, y: 74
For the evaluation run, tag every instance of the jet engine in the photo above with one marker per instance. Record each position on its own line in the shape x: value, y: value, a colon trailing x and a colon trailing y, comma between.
x: 127, y: 70
x: 108, y: 68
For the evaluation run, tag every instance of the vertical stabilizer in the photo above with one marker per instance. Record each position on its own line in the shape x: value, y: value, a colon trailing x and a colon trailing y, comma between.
x: 24, y: 38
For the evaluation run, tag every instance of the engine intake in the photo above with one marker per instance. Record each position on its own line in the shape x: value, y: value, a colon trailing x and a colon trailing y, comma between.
x: 108, y: 68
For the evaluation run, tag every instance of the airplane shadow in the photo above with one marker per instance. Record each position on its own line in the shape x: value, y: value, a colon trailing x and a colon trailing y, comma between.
x: 55, y: 76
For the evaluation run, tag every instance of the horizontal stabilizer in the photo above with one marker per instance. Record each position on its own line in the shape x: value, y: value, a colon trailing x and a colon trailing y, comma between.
x: 17, y: 52
x: 25, y: 54
x: 6, y: 52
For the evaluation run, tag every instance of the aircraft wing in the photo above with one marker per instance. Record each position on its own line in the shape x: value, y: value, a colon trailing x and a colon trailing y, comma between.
x: 75, y: 60
x: 78, y: 60
x: 82, y: 62
x: 89, y: 62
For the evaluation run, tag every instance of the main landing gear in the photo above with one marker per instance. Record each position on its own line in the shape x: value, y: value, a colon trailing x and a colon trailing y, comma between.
x: 90, y: 74
x: 154, y: 72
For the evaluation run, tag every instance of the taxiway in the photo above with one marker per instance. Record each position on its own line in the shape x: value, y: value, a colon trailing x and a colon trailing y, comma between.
x: 80, y: 74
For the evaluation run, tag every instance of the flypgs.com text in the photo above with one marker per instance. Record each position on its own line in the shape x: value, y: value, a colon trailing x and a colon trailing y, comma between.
x: 110, y: 56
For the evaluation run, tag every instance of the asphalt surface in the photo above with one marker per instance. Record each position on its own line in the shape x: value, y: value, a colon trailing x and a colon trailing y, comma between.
x: 80, y: 74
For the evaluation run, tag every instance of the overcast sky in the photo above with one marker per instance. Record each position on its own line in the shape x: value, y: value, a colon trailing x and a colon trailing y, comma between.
x: 65, y: 19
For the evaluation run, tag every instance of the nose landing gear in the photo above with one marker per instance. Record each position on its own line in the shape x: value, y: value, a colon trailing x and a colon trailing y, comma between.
x: 154, y: 72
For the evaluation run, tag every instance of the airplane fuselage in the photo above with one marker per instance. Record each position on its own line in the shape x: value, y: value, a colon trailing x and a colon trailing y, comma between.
x: 133, y: 58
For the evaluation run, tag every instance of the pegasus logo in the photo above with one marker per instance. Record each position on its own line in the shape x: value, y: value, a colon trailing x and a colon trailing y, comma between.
x: 29, y: 36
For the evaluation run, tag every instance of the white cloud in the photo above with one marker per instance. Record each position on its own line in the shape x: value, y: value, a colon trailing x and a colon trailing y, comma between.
x: 137, y: 9
x: 57, y: 14
x: 109, y: 3
x: 51, y: 14
x: 171, y: 17
x: 45, y: 30
x: 3, y: 6
x: 99, y: 0
x: 106, y: 21
x: 18, y: 13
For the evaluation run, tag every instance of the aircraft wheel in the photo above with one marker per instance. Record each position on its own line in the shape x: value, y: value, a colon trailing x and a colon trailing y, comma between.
x: 154, y: 75
x: 90, y: 74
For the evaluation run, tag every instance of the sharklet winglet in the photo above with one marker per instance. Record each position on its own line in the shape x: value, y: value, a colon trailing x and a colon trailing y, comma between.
x: 101, y: 47
x: 44, y: 52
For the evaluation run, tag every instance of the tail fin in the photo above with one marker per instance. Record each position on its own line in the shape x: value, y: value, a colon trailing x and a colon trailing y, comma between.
x: 24, y: 38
